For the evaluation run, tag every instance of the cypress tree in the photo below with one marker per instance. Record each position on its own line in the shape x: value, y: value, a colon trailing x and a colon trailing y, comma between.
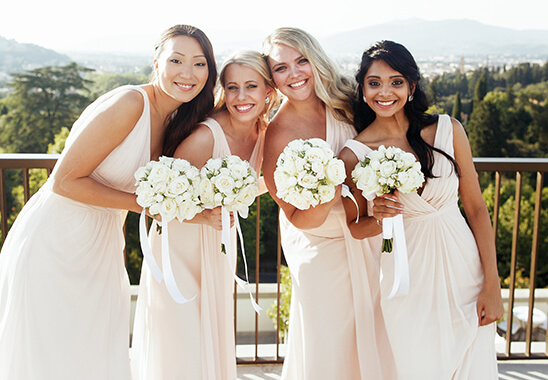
x: 457, y: 108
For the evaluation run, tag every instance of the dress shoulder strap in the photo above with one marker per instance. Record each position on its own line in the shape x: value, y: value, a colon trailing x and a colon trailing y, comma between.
x: 444, y: 135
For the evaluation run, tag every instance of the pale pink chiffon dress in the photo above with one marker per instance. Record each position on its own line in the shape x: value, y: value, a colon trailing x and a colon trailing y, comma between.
x: 434, y: 330
x: 336, y: 329
x: 194, y: 340
x: 64, y: 290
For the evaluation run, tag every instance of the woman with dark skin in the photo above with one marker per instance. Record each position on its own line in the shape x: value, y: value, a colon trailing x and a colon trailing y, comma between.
x: 443, y: 328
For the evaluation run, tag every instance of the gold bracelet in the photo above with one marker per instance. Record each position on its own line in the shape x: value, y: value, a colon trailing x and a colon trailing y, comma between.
x: 378, y: 222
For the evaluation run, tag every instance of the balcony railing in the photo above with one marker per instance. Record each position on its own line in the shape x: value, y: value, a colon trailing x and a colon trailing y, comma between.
x: 525, y: 345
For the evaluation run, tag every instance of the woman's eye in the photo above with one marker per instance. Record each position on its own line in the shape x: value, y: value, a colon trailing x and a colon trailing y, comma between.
x: 201, y: 64
x: 373, y: 84
x: 397, y: 82
x: 302, y: 61
x: 252, y: 86
x: 175, y: 60
x: 232, y: 88
x: 279, y: 69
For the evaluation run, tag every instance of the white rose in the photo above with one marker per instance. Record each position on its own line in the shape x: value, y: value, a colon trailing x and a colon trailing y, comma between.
x: 307, y: 181
x: 335, y: 171
x: 224, y: 183
x: 158, y: 173
x: 326, y: 193
x: 318, y: 168
x: 181, y: 165
x: 207, y: 193
x: 408, y: 159
x: 316, y: 154
x: 177, y: 186
x: 145, y: 195
x: 214, y: 164
x: 299, y: 164
x: 141, y: 174
x: 155, y: 208
x: 168, y: 209
x: 295, y: 145
x: 295, y: 199
x: 166, y: 161
x: 161, y: 187
x: 387, y: 168
x: 187, y: 210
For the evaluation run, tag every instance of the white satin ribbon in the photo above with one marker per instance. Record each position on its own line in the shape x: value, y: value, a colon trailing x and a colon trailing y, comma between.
x: 147, y: 252
x: 348, y: 194
x: 167, y: 269
x: 393, y: 228
x: 226, y: 241
x: 171, y: 284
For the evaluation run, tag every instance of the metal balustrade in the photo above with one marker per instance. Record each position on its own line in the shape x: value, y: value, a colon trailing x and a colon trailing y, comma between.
x: 516, y: 168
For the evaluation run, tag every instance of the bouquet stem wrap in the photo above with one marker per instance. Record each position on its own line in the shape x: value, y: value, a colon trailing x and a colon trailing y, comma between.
x: 393, y: 231
x: 167, y: 269
x: 226, y: 242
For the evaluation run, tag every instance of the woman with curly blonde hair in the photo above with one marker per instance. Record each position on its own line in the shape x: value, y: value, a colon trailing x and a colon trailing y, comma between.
x: 336, y: 330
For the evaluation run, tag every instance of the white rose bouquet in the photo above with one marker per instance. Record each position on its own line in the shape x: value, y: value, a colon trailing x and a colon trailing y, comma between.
x: 169, y: 187
x: 385, y: 170
x: 307, y: 173
x: 382, y: 172
x: 230, y: 182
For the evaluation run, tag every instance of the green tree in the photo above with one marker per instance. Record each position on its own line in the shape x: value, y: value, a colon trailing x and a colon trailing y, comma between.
x: 457, y: 107
x: 488, y: 126
x: 42, y: 102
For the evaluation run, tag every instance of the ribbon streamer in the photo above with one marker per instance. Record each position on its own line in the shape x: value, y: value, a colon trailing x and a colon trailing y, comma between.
x: 226, y: 241
x: 393, y: 228
x: 147, y: 252
x: 171, y: 284
x: 348, y: 194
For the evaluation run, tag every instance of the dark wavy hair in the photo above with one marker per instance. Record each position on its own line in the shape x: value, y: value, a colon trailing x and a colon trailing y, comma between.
x: 188, y: 115
x: 401, y: 60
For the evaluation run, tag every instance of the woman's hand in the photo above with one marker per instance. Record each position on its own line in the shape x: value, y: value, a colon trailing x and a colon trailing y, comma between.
x: 386, y: 206
x: 489, y: 305
x: 212, y: 218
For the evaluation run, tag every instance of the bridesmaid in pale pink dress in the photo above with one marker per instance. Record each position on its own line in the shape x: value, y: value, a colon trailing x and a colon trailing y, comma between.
x: 195, y: 340
x: 336, y: 330
x: 64, y: 290
x: 443, y: 328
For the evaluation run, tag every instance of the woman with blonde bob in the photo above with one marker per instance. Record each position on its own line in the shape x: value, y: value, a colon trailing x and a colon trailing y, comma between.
x: 195, y: 340
x: 336, y: 330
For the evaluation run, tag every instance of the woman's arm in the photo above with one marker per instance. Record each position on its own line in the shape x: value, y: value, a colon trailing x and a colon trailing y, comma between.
x: 115, y: 119
x: 489, y: 306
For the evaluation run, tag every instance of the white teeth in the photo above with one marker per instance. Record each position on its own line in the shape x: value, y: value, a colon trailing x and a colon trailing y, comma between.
x: 298, y: 84
x: 185, y: 86
x: 385, y: 103
x: 244, y: 108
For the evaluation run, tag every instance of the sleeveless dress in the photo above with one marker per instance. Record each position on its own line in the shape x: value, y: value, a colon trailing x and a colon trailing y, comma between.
x: 194, y: 340
x: 64, y: 290
x: 434, y: 330
x: 336, y: 329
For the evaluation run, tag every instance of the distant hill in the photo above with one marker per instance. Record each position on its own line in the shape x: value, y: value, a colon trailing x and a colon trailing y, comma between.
x: 16, y: 57
x: 443, y: 38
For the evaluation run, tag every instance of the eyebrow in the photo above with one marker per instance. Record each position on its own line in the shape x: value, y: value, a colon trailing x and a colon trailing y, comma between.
x: 246, y: 82
x: 283, y: 63
x: 196, y: 56
x: 391, y: 77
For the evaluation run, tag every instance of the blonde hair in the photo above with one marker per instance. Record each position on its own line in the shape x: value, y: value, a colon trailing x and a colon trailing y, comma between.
x: 335, y: 89
x: 255, y: 61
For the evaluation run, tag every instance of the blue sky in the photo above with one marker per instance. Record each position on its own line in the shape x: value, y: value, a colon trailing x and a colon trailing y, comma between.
x: 122, y: 25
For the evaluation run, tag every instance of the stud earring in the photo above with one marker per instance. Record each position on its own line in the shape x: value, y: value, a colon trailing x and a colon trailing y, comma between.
x: 364, y: 99
x: 410, y: 98
x: 267, y: 99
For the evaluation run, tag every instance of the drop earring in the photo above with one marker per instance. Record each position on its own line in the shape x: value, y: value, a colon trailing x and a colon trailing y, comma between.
x: 267, y: 99
x: 364, y: 99
x: 410, y: 98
